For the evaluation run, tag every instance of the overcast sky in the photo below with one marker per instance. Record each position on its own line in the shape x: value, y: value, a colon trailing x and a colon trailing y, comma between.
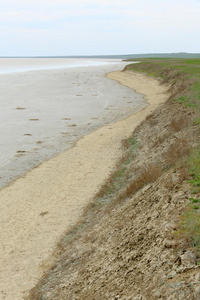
x: 85, y: 27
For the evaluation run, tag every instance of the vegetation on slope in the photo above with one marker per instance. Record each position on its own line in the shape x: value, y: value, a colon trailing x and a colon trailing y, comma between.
x: 156, y: 185
x: 185, y: 73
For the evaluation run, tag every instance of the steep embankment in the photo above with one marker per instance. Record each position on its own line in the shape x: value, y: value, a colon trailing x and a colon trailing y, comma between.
x: 131, y: 243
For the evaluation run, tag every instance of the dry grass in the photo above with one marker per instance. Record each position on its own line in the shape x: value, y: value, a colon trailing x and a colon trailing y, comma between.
x: 177, y: 151
x: 149, y: 174
x: 161, y: 139
x: 179, y: 123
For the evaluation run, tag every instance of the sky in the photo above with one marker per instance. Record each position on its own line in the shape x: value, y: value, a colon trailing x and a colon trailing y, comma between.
x: 102, y: 27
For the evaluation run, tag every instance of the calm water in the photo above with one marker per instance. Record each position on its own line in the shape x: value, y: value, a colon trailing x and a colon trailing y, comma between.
x: 10, y: 65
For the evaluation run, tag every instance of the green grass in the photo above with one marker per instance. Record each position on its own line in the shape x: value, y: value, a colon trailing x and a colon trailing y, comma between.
x: 187, y: 101
x: 171, y: 70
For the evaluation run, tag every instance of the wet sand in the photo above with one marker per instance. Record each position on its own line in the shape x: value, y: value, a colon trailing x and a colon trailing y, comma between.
x: 38, y: 207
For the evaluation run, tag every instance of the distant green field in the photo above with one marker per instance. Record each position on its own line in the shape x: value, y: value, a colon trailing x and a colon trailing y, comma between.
x: 164, y: 55
x: 189, y: 66
x: 187, y: 69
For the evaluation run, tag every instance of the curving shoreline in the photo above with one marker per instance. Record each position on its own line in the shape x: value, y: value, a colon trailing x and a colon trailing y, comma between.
x: 49, y: 199
x: 39, y: 113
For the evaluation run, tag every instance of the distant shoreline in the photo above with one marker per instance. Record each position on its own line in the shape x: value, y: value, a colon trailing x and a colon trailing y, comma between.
x: 117, y: 56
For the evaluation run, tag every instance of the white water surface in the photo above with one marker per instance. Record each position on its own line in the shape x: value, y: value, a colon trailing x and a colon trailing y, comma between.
x: 12, y: 65
x: 44, y: 111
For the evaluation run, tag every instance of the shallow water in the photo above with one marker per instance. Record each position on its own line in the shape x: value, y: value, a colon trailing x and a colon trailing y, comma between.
x: 44, y: 112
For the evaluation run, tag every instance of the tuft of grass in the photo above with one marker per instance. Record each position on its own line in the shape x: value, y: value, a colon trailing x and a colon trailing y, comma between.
x: 189, y: 228
x: 177, y: 152
x: 194, y: 163
x: 195, y: 206
x: 177, y: 124
x: 194, y: 191
x: 194, y: 200
x: 186, y: 100
x: 146, y: 176
x: 196, y: 121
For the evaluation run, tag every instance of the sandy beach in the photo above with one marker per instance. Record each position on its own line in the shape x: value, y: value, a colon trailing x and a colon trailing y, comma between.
x: 38, y: 207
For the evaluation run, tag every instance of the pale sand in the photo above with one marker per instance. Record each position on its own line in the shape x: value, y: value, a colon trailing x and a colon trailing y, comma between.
x: 38, y: 207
